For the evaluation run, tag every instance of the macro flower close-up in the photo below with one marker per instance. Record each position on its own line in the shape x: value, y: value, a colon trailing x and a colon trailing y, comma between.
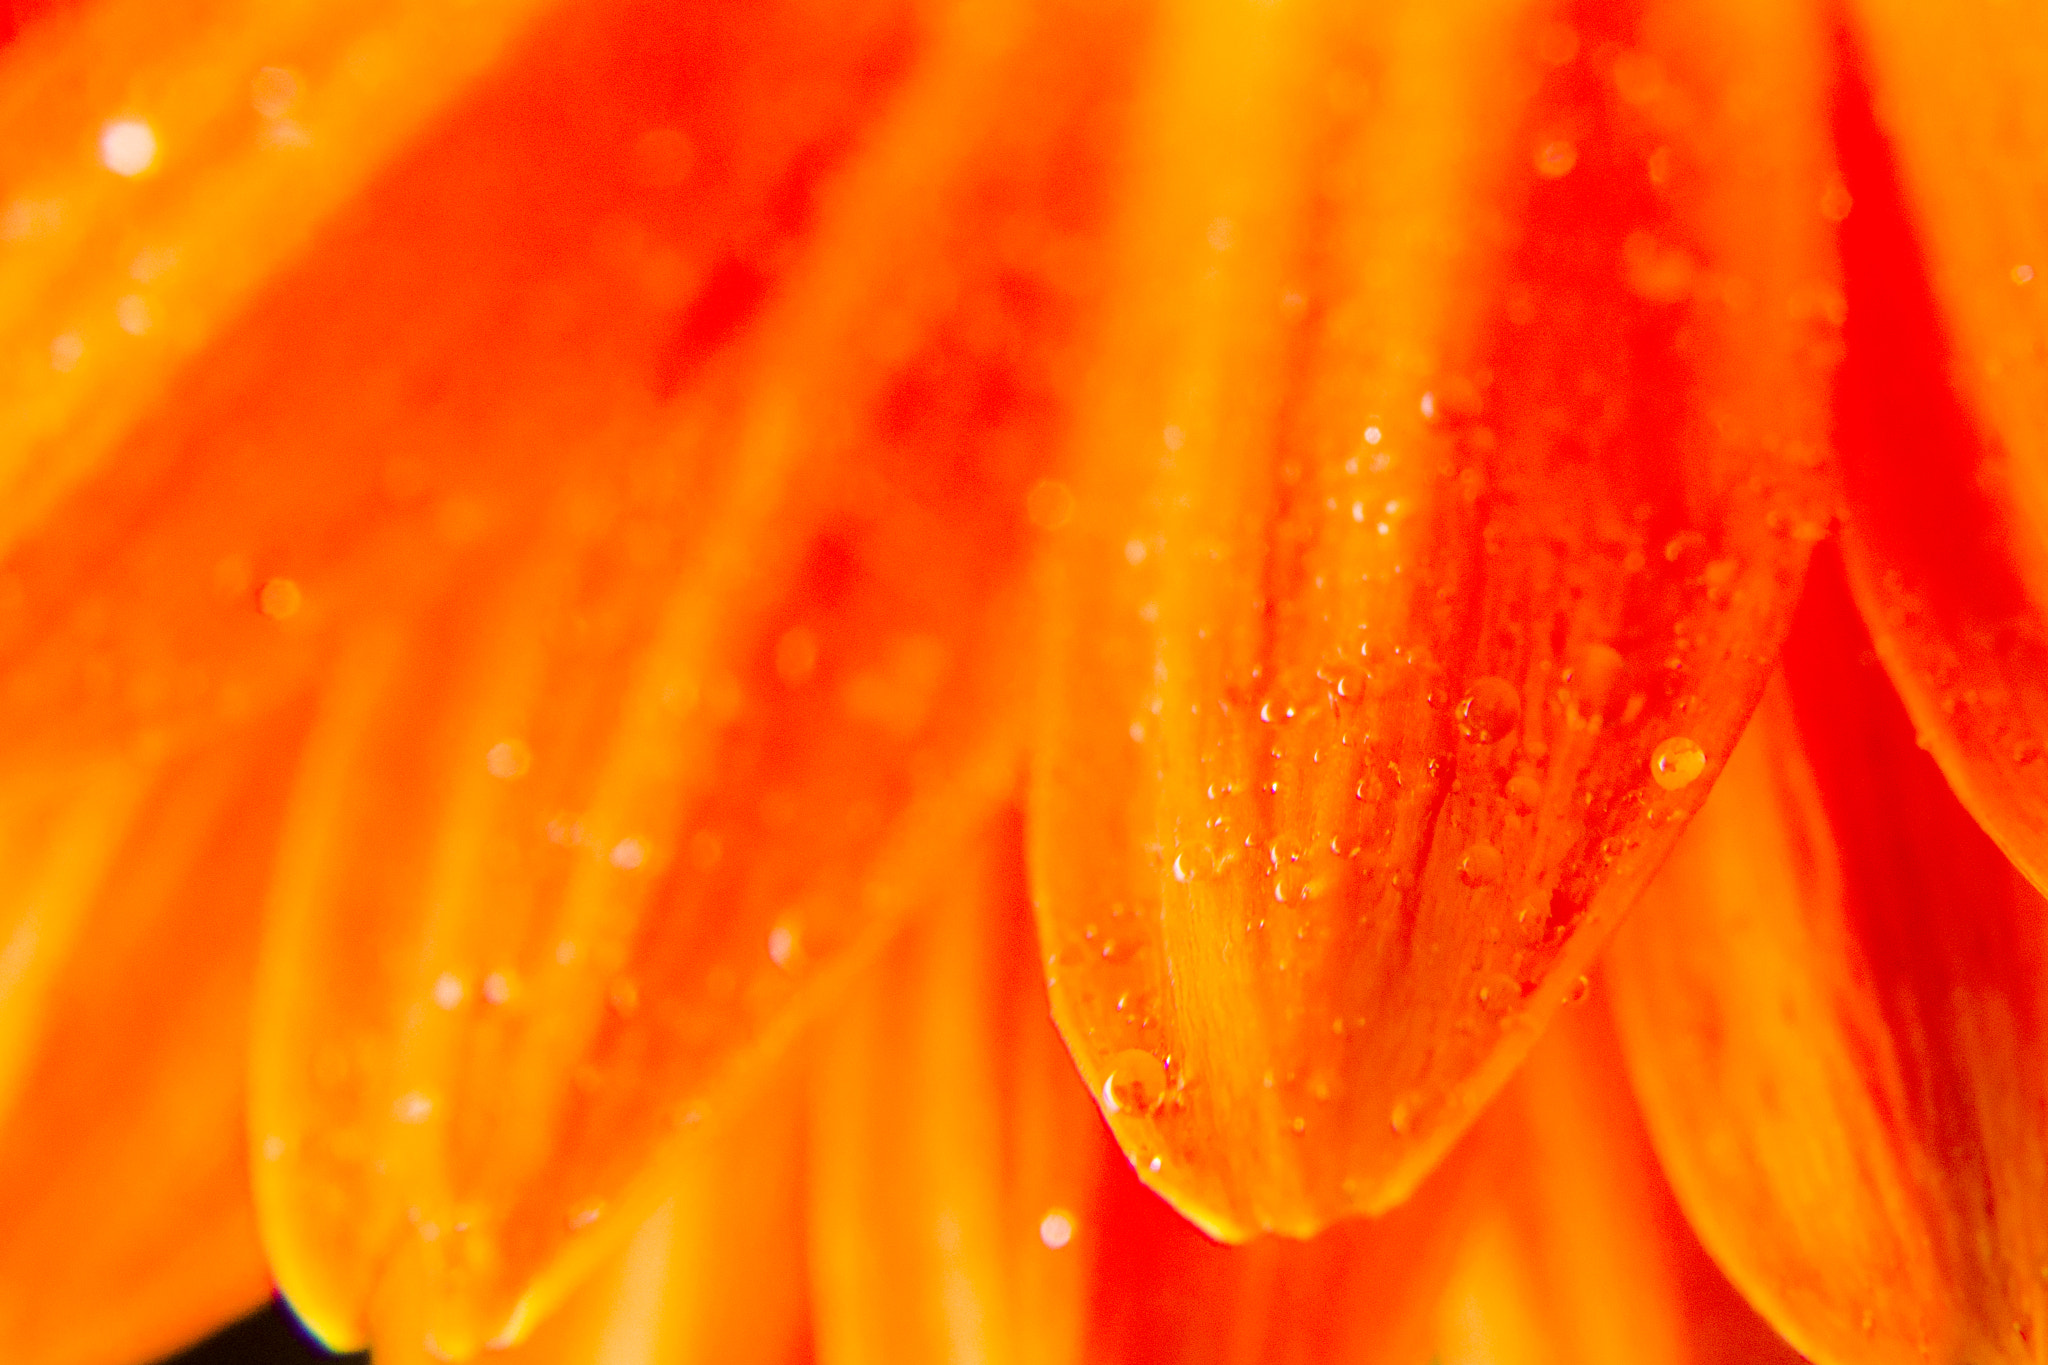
x: 1144, y: 682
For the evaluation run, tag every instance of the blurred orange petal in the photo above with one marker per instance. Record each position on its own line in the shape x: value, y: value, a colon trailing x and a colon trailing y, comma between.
x: 1583, y: 1256
x: 1438, y: 507
x: 161, y: 161
x: 1833, y: 1004
x: 707, y: 692
x: 1945, y: 405
x: 127, y: 952
x: 954, y: 1155
x: 716, y: 1273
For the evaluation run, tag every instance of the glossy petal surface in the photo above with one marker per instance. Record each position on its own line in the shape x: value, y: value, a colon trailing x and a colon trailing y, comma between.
x: 1833, y: 1004
x: 1439, y: 502
x: 125, y: 982
x: 697, y: 701
x: 1945, y: 414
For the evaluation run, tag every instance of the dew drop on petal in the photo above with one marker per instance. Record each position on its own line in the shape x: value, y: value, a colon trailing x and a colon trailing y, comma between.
x: 412, y: 1107
x: 507, y: 759
x: 1136, y: 1083
x: 628, y: 854
x: 127, y: 146
x: 1056, y: 1229
x: 1555, y: 159
x: 1481, y: 865
x: 448, y: 990
x: 1490, y: 709
x: 281, y: 599
x: 1677, y: 762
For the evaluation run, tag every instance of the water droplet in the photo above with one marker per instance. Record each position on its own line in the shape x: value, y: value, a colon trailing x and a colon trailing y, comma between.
x: 1555, y: 159
x: 272, y: 91
x: 1481, y: 865
x: 1136, y: 1083
x: 497, y: 988
x: 782, y: 946
x: 1498, y: 991
x: 1056, y: 1229
x: 1049, y: 505
x: 281, y: 599
x: 796, y: 656
x: 1578, y: 991
x: 127, y: 146
x: 1134, y: 551
x: 1401, y: 1117
x: 628, y: 854
x: 412, y: 1107
x: 132, y: 315
x: 1525, y: 789
x: 1490, y: 709
x: 586, y: 1213
x: 448, y: 990
x: 1684, y: 547
x: 1677, y: 762
x: 508, y: 759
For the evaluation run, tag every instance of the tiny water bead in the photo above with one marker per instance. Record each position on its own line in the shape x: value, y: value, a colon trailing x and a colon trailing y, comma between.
x: 1481, y: 865
x: 1490, y: 709
x: 1136, y: 1083
x: 1677, y: 762
x: 127, y: 146
x: 280, y: 599
x: 1056, y: 1229
x: 448, y: 990
x: 508, y: 759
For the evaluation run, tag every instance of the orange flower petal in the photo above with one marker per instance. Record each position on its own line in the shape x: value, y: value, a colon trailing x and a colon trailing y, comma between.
x: 715, y: 1273
x: 161, y: 163
x: 1441, y: 500
x: 954, y: 1155
x: 1358, y: 1293
x: 127, y: 953
x: 1584, y: 1256
x: 1945, y: 411
x: 695, y: 704
x: 1833, y: 1004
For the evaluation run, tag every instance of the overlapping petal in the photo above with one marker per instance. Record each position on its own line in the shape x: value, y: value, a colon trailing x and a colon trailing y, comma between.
x: 1945, y: 412
x: 1581, y: 1254
x: 693, y: 705
x: 1440, y: 501
x: 967, y: 1203
x: 715, y: 1273
x: 1833, y: 1005
x: 258, y: 121
x: 132, y: 913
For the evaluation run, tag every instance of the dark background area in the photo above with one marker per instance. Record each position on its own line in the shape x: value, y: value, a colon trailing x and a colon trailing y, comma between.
x: 268, y: 1337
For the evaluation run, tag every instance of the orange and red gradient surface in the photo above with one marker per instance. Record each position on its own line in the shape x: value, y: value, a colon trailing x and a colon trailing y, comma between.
x: 979, y: 680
